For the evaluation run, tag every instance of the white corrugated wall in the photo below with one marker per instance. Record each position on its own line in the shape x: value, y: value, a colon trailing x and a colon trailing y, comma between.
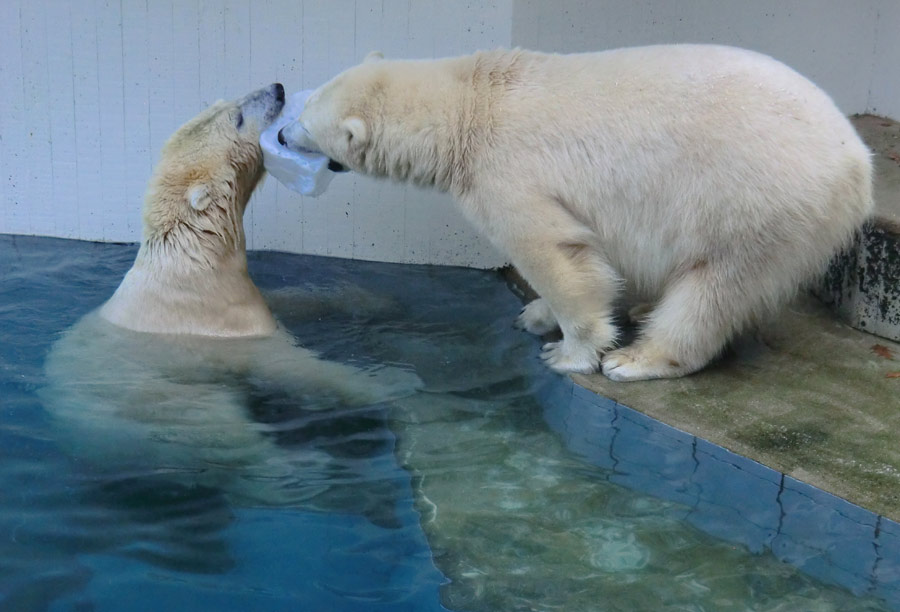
x: 849, y: 48
x: 90, y: 90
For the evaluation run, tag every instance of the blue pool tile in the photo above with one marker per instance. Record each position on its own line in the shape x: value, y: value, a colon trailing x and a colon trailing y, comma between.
x: 887, y: 566
x: 586, y: 428
x: 582, y: 394
x: 735, y: 504
x: 653, y: 460
x: 639, y: 418
x: 735, y: 498
x: 826, y: 536
x: 745, y: 464
x: 822, y: 499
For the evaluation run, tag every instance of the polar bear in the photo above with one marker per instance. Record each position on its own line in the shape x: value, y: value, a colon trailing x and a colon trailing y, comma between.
x: 706, y: 181
x: 157, y: 377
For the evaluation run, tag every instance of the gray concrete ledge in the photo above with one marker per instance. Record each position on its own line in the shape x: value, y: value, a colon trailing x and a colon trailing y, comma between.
x: 809, y: 396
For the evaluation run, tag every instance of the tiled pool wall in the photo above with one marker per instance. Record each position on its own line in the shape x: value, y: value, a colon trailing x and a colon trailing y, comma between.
x: 729, y: 496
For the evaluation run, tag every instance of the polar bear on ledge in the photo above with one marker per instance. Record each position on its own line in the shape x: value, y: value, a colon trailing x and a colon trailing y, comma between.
x: 159, y: 375
x: 708, y: 182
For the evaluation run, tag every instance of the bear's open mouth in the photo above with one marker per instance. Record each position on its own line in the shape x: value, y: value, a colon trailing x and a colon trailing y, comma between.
x: 337, y: 166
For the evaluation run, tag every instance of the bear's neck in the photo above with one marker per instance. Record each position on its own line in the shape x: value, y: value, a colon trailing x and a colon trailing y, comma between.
x: 187, y: 281
x: 442, y: 149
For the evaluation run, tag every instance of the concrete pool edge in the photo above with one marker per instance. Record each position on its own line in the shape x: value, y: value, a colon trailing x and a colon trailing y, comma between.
x: 808, y: 396
x: 730, y: 496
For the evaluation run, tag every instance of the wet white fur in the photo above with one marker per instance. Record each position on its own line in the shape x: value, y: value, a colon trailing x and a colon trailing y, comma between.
x: 190, y: 275
x: 708, y: 181
x: 155, y: 379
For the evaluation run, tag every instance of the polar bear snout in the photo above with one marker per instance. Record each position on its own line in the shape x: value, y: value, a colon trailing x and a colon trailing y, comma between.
x: 263, y: 105
x: 294, y: 137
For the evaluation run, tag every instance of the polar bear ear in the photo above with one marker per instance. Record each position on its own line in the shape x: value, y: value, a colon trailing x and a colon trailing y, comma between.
x: 199, y: 197
x: 355, y: 130
x: 374, y: 56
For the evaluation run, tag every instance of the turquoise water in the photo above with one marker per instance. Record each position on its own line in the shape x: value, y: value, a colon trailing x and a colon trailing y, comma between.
x: 498, y: 486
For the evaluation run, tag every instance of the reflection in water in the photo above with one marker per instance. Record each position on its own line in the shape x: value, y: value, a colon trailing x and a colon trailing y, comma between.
x: 165, y: 469
x: 731, y: 497
x: 518, y: 522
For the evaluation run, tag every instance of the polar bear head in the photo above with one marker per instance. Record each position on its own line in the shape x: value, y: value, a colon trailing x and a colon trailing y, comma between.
x: 385, y: 118
x: 337, y: 116
x: 207, y: 172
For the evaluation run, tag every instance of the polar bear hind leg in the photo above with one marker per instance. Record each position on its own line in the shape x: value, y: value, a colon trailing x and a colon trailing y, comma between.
x: 697, y: 315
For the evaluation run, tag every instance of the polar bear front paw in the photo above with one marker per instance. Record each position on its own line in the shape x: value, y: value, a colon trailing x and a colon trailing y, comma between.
x: 537, y: 318
x: 569, y: 356
x: 629, y: 364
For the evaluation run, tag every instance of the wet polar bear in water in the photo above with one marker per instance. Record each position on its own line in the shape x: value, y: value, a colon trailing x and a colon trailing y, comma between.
x: 707, y: 182
x: 157, y: 377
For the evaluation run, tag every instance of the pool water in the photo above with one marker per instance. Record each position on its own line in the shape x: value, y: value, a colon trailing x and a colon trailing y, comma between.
x: 484, y: 490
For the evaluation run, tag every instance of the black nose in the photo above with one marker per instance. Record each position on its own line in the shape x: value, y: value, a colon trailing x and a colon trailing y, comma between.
x: 281, y: 139
x: 279, y: 92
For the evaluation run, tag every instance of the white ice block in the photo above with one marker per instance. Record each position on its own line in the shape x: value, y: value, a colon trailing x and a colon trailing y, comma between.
x: 305, y: 172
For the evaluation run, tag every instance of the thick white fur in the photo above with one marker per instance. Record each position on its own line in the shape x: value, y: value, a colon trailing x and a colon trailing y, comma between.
x: 708, y: 181
x: 156, y: 377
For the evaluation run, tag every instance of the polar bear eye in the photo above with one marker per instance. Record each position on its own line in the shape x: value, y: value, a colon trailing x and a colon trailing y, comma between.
x: 239, y: 121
